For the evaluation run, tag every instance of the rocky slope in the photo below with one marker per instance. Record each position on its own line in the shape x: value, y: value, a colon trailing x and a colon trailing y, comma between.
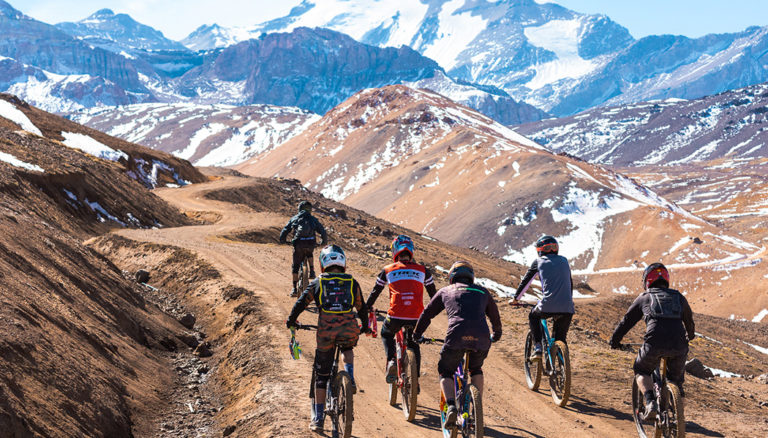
x: 207, y: 135
x: 83, y: 353
x: 671, y: 132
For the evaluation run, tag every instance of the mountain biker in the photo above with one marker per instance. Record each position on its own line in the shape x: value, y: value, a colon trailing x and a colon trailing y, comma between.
x: 336, y: 295
x: 304, y: 226
x: 467, y: 305
x: 407, y: 281
x: 668, y: 330
x: 557, y: 293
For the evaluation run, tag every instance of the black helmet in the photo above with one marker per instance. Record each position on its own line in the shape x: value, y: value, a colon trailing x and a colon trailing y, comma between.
x: 546, y: 245
x: 461, y: 270
x: 655, y: 273
x: 305, y: 205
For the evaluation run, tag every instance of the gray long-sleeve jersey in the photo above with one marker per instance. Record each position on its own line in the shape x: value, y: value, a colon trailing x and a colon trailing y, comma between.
x: 556, y: 283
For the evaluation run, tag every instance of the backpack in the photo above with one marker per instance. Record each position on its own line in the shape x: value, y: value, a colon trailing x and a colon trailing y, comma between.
x: 336, y: 294
x: 665, y: 304
x: 305, y: 227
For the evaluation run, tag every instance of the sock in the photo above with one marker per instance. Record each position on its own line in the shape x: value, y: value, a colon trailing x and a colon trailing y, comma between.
x: 649, y: 397
x: 319, y: 412
x: 350, y: 369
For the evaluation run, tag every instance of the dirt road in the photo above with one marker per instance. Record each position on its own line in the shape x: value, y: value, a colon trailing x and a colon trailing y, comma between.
x: 510, y: 408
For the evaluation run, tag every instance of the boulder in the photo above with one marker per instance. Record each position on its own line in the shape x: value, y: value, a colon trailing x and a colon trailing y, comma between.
x: 203, y: 350
x: 142, y: 276
x: 695, y: 368
x: 188, y: 320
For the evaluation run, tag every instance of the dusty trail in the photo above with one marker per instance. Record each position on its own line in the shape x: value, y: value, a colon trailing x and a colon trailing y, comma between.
x: 510, y: 408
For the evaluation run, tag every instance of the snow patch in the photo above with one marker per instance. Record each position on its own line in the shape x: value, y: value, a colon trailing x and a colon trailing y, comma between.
x: 10, y: 112
x: 92, y: 147
x: 13, y: 161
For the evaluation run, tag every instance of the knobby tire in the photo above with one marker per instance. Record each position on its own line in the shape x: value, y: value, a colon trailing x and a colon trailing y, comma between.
x: 560, y: 380
x: 675, y: 412
x: 410, y: 385
x: 476, y: 412
x: 343, y: 389
x: 532, y: 369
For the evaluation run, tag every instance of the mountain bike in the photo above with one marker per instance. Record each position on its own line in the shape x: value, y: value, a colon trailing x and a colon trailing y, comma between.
x: 669, y: 420
x: 338, y: 400
x: 304, y: 270
x: 555, y: 363
x: 469, y: 418
x: 407, y: 371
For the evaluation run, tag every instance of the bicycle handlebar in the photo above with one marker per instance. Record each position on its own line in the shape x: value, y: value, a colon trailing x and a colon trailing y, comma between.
x: 522, y: 304
x: 424, y: 340
x: 305, y: 326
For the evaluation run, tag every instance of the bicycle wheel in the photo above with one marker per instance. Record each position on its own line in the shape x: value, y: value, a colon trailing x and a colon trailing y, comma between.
x: 474, y: 423
x: 344, y: 415
x: 410, y: 385
x: 644, y: 428
x: 560, y: 379
x: 303, y: 275
x: 532, y: 368
x: 673, y: 413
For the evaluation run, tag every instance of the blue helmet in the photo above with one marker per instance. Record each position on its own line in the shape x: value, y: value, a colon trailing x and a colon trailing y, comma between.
x: 400, y: 244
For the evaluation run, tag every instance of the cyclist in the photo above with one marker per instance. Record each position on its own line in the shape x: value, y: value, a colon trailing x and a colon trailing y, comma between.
x: 668, y: 330
x: 407, y: 281
x: 304, y: 226
x: 467, y: 305
x: 557, y: 293
x: 336, y: 295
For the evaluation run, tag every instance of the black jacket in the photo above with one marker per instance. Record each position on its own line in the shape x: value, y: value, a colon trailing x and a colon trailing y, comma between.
x: 293, y: 224
x: 660, y: 332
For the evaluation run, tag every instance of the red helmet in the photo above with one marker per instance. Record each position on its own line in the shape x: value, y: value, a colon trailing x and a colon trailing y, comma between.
x: 653, y: 273
x: 400, y: 244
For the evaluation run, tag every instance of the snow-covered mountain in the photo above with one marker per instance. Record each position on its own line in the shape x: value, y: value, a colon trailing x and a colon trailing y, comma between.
x: 316, y: 69
x: 729, y: 125
x: 206, y: 135
x: 540, y: 53
x: 118, y: 33
x: 416, y: 158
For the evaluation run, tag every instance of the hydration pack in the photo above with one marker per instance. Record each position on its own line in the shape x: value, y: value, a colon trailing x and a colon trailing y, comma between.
x: 305, y: 227
x: 665, y: 304
x: 336, y: 294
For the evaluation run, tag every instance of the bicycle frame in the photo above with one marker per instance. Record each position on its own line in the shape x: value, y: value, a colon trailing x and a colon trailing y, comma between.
x: 460, y: 385
x: 401, y: 341
x: 550, y: 362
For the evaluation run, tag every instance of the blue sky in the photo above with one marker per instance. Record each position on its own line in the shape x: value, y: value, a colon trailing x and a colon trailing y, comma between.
x: 177, y: 18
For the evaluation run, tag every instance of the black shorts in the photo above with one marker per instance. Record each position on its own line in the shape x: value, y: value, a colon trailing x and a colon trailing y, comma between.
x: 301, y: 250
x: 649, y: 357
x: 449, y: 362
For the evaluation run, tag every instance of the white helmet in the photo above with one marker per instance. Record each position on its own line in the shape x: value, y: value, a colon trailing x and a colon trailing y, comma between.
x: 332, y: 255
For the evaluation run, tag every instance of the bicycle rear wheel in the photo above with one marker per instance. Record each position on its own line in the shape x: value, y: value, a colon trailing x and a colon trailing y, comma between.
x: 673, y: 413
x: 644, y: 428
x: 474, y: 423
x: 560, y: 379
x: 344, y: 414
x: 410, y: 386
x: 304, y: 275
x: 532, y: 368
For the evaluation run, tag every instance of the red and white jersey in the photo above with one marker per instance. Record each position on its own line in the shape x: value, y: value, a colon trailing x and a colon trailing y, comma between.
x: 406, y: 288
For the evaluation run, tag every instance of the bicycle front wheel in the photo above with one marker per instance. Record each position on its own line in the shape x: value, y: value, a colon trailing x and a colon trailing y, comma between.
x: 474, y: 426
x: 560, y: 379
x: 532, y: 368
x: 410, y: 388
x: 673, y: 414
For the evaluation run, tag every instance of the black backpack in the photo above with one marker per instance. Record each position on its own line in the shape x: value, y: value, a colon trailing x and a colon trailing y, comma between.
x: 665, y: 304
x: 305, y: 227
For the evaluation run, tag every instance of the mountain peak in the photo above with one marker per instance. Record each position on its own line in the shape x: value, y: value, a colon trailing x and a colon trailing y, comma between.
x: 103, y: 13
x: 8, y: 11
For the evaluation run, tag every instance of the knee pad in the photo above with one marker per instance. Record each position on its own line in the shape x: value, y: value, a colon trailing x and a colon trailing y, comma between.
x: 323, y: 364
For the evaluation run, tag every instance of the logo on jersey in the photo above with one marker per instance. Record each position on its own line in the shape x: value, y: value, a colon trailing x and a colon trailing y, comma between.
x: 405, y: 274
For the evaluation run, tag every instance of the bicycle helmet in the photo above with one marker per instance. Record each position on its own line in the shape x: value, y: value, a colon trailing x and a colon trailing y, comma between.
x: 400, y: 244
x: 461, y: 270
x: 332, y: 255
x: 305, y: 205
x: 655, y: 273
x: 546, y: 245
